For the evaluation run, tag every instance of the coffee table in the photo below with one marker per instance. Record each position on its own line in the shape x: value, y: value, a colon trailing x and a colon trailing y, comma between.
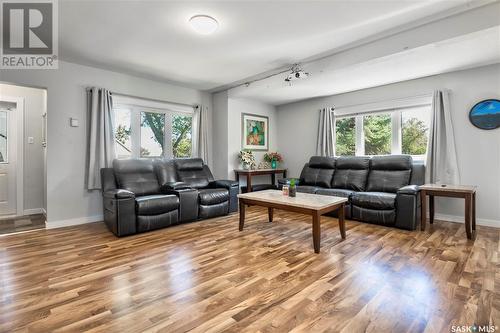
x: 304, y: 203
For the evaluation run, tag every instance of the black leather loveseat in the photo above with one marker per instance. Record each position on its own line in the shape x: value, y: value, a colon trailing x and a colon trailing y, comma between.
x: 144, y: 194
x: 381, y: 189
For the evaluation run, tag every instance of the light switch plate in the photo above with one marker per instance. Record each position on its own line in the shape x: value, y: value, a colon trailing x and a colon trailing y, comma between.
x: 31, y: 140
x: 73, y: 122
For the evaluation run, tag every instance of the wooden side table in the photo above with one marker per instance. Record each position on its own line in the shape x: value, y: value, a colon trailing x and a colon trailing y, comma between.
x: 454, y: 191
x: 258, y: 172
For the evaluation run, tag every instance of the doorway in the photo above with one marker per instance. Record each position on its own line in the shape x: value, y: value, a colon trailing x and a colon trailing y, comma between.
x: 22, y: 158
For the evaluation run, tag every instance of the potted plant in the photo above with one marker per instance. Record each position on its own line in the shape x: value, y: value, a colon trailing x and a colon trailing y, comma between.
x: 274, y: 158
x: 247, y: 159
x: 292, y: 190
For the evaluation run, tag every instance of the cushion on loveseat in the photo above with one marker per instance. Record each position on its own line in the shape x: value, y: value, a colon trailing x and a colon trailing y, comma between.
x: 389, y: 173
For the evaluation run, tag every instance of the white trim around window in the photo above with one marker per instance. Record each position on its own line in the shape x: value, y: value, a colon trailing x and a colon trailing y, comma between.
x: 393, y: 107
x: 136, y: 107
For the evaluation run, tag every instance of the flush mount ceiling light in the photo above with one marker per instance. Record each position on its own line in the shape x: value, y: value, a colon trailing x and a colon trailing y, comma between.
x: 204, y: 24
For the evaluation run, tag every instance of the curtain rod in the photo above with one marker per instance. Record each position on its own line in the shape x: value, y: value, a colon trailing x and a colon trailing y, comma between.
x: 154, y: 100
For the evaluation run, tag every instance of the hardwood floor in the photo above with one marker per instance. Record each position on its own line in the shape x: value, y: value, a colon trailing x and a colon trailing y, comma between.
x: 21, y: 224
x: 209, y: 277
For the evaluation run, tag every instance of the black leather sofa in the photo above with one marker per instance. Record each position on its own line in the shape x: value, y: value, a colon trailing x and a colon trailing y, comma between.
x: 144, y: 194
x: 380, y: 189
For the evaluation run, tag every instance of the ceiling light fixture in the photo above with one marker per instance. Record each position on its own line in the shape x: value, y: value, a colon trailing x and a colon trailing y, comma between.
x: 204, y: 24
x: 296, y: 73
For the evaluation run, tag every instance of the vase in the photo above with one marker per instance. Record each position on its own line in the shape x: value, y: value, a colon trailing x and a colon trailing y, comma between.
x: 246, y: 166
x: 292, y: 191
x: 274, y: 165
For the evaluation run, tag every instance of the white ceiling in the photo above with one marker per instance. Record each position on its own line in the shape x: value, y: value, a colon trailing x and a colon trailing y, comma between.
x: 153, y: 39
x: 462, y: 52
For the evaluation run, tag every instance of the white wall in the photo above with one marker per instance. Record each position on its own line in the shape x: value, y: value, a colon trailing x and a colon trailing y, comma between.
x: 478, y: 150
x: 33, y: 174
x: 220, y: 134
x: 67, y: 200
x: 227, y: 133
x: 237, y: 106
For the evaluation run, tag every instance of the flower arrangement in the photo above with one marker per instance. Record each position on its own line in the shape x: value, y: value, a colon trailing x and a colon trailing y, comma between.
x: 246, y: 157
x: 273, y: 156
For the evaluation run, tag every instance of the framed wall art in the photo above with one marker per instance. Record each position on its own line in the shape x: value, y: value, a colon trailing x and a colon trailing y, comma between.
x: 255, y: 132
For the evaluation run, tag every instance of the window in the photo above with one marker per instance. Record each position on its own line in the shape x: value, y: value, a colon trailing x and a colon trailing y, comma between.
x: 181, y: 136
x: 415, y: 124
x: 377, y: 132
x: 346, y: 136
x: 149, y: 133
x: 152, y: 134
x: 123, y: 132
x: 404, y: 130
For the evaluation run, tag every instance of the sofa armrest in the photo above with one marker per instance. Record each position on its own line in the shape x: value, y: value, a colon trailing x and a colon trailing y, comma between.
x: 174, y: 186
x: 224, y: 183
x: 118, y: 194
x: 408, y: 207
x: 233, y: 187
x: 119, y: 212
x: 409, y: 189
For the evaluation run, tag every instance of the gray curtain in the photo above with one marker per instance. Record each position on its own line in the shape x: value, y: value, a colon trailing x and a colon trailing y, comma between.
x: 326, y: 133
x: 201, y: 126
x: 100, y: 135
x: 441, y: 159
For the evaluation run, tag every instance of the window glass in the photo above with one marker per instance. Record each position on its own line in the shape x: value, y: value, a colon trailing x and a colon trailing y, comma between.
x: 3, y: 137
x: 152, y: 134
x: 345, y: 139
x: 123, y: 132
x: 414, y: 130
x: 378, y: 133
x: 181, y: 135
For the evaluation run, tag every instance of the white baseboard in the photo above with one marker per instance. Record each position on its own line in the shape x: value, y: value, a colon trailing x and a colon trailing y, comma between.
x: 33, y: 211
x: 460, y: 219
x: 71, y: 222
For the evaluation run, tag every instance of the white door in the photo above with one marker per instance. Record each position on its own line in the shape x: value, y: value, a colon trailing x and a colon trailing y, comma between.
x: 8, y: 159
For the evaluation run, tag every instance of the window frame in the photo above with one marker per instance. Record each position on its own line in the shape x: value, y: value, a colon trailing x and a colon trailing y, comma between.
x: 396, y: 128
x: 135, y: 127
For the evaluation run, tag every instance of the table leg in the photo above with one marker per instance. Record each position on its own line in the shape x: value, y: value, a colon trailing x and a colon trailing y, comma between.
x: 474, y: 213
x: 242, y: 215
x: 468, y: 204
x: 273, y: 178
x: 342, y: 220
x: 316, y: 231
x: 431, y: 209
x: 270, y: 214
x: 249, y: 183
x: 423, y: 210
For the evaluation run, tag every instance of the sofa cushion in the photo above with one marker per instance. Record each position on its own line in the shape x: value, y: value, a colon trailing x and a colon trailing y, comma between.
x: 318, y: 177
x: 391, y: 162
x: 374, y: 200
x: 336, y: 192
x: 389, y: 173
x: 387, y: 181
x: 307, y: 189
x: 351, y: 173
x: 189, y: 164
x: 156, y: 204
x: 212, y: 196
x: 193, y: 172
x: 322, y: 162
x: 137, y: 176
